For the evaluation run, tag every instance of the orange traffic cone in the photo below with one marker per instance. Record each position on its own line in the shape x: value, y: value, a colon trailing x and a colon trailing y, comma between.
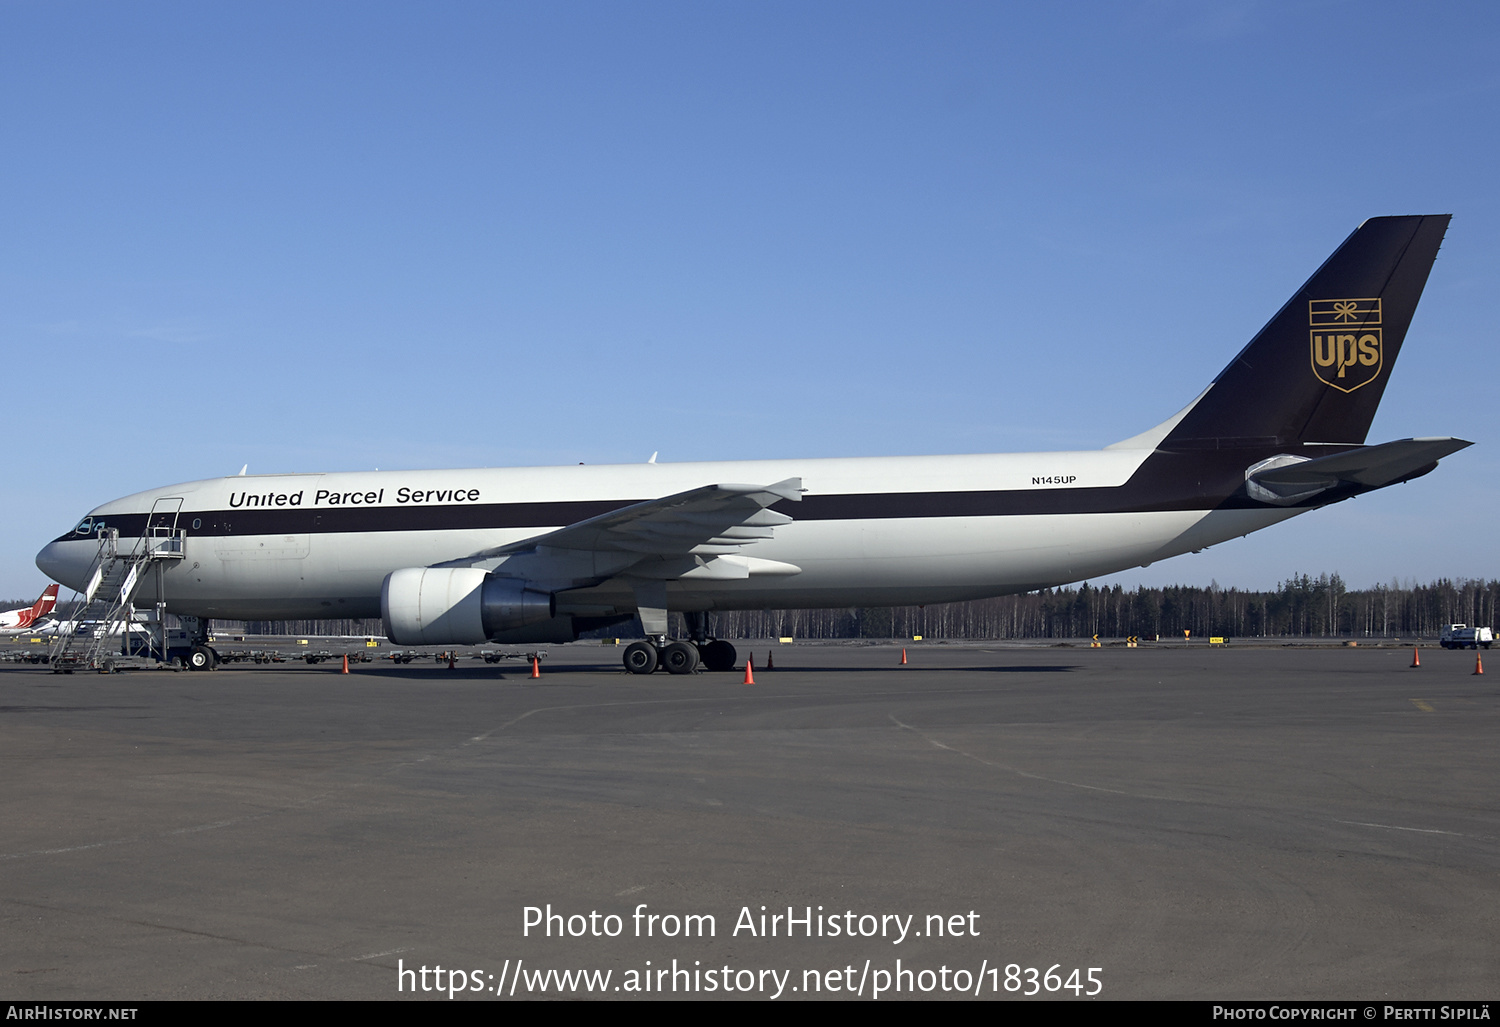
x: 903, y: 656
x: 770, y: 660
x: 450, y: 659
x: 1478, y: 663
x: 1416, y: 661
x: 346, y: 664
x: 536, y: 668
x: 749, y: 670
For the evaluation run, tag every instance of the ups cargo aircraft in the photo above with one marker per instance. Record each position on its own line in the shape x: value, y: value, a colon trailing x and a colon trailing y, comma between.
x: 541, y: 554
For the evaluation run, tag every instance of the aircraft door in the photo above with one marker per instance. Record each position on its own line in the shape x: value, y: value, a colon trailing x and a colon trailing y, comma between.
x: 162, y: 521
x: 159, y: 535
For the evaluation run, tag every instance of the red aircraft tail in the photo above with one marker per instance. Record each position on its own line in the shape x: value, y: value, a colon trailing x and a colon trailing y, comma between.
x: 41, y: 607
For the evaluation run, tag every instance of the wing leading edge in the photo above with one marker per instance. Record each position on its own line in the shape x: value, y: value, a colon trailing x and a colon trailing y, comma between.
x: 695, y: 534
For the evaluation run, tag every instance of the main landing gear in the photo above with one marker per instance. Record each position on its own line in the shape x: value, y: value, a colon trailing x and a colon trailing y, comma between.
x: 679, y: 657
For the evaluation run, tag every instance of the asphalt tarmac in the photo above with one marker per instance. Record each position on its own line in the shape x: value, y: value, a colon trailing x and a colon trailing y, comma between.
x: 1170, y: 822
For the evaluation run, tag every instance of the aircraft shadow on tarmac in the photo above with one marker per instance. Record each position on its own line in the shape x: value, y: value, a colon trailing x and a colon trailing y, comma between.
x: 1025, y: 668
x: 707, y: 678
x: 64, y: 709
x: 463, y: 673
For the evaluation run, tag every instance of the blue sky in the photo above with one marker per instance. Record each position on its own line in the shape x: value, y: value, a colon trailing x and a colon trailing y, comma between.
x: 331, y: 236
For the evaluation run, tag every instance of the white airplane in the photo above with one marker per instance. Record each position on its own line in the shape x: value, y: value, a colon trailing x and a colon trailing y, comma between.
x: 30, y: 619
x: 53, y: 628
x: 541, y: 554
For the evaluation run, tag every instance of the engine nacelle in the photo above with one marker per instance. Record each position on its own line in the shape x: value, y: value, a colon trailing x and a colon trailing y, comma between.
x: 466, y: 606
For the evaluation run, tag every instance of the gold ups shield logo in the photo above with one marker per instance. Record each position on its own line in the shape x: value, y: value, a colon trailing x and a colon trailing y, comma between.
x: 1345, y: 342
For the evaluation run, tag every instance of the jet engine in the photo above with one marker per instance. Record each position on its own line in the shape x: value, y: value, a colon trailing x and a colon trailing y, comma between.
x: 467, y: 606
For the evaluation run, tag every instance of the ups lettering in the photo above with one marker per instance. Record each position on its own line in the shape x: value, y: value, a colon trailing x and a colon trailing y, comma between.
x: 1345, y: 351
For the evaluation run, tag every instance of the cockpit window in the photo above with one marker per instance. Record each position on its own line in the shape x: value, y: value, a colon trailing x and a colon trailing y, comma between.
x: 84, y: 526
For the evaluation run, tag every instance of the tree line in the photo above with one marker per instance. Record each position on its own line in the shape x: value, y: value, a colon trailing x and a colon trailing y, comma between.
x: 1299, y: 607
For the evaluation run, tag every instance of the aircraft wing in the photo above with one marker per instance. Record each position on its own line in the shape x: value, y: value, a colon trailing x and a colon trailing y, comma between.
x: 1370, y: 466
x: 689, y: 530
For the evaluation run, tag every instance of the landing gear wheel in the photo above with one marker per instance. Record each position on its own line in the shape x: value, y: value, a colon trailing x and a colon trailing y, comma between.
x: 680, y: 658
x: 640, y: 657
x: 718, y: 655
x: 201, y: 658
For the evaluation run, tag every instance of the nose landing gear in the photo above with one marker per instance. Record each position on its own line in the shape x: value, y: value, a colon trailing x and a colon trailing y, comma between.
x: 201, y: 657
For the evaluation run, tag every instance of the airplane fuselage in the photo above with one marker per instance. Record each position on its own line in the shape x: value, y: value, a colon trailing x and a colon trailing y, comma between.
x: 869, y: 531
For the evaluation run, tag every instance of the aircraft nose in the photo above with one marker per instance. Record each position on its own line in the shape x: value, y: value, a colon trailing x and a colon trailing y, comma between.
x: 66, y: 562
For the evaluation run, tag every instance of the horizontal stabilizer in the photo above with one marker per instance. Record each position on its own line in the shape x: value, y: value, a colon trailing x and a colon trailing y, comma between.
x: 1284, y: 480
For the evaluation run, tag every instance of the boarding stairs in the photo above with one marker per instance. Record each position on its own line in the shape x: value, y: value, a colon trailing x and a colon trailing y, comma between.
x: 100, y: 638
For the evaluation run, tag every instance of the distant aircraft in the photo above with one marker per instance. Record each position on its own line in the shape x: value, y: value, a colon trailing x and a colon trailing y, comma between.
x: 541, y: 554
x: 52, y: 628
x: 28, y: 619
